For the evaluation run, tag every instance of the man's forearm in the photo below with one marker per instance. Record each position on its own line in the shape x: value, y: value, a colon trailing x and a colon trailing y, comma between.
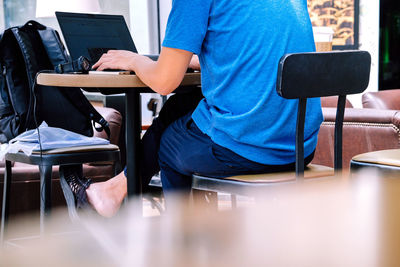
x: 159, y: 75
x: 163, y: 75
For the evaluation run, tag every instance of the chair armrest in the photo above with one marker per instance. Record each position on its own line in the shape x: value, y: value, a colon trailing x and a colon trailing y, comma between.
x: 114, y: 119
x: 364, y: 130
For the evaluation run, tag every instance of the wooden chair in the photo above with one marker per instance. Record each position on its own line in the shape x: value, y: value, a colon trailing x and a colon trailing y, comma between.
x: 302, y: 76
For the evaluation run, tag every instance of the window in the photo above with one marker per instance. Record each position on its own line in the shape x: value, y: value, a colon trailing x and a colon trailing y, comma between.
x: 141, y: 16
x: 17, y: 12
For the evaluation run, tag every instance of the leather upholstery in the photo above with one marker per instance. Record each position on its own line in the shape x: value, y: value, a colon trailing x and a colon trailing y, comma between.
x: 331, y: 102
x: 387, y: 99
x: 22, y: 172
x: 114, y: 119
x: 382, y: 159
x: 364, y: 130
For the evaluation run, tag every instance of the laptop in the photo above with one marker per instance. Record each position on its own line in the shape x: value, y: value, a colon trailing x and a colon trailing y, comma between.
x: 92, y: 35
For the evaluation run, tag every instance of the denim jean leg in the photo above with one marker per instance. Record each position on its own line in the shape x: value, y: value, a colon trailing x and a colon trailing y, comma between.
x: 175, y: 107
x: 173, y: 180
x: 185, y: 150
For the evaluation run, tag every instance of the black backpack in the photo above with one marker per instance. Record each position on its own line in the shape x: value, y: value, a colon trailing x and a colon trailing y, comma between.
x: 24, y: 51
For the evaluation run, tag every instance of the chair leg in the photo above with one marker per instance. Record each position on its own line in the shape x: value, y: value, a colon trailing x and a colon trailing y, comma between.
x: 45, y: 194
x: 6, y: 200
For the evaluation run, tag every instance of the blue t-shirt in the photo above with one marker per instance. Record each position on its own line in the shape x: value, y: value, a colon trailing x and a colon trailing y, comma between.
x: 239, y: 43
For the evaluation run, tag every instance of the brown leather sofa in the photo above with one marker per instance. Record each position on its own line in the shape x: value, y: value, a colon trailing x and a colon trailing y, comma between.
x: 26, y: 181
x: 387, y: 99
x: 374, y: 127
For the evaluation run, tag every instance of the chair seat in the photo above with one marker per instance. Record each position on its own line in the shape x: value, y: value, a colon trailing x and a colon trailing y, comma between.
x: 68, y: 155
x: 79, y: 149
x: 389, y: 158
x: 311, y: 171
x: 239, y: 184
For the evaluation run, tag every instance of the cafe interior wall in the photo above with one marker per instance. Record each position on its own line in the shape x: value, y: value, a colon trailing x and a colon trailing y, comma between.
x: 369, y: 41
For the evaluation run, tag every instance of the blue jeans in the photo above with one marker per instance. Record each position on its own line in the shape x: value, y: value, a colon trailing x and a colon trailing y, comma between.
x: 185, y: 150
x: 174, y: 145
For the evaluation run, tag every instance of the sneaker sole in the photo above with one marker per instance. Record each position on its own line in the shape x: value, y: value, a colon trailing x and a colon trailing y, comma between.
x: 69, y: 198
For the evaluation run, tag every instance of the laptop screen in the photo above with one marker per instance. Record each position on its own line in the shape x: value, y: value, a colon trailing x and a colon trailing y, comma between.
x: 91, y: 35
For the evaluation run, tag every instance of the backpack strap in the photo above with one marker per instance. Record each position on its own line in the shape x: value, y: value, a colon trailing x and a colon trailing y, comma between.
x: 80, y: 101
x: 35, y: 24
x: 58, y: 55
x: 5, y: 107
x: 54, y: 47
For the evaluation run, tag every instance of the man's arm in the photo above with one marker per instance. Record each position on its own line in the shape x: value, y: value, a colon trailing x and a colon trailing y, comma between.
x: 162, y: 76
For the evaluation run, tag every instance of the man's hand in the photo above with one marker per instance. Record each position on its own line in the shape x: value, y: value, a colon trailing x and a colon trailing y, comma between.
x: 116, y: 59
x: 194, y: 63
x: 163, y: 76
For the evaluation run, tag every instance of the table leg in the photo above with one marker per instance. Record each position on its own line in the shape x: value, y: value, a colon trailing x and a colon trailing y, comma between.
x: 133, y: 131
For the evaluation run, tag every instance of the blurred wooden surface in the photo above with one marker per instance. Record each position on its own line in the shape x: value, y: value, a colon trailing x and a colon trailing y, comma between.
x: 351, y: 221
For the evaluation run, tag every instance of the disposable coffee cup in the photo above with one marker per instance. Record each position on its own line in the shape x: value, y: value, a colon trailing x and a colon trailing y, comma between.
x: 323, y: 38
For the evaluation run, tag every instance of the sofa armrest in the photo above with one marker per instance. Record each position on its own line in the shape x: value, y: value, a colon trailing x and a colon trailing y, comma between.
x: 364, y: 130
x: 114, y: 119
x: 386, y: 99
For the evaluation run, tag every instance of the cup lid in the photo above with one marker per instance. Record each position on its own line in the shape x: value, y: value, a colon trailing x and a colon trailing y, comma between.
x: 323, y: 30
x: 323, y: 34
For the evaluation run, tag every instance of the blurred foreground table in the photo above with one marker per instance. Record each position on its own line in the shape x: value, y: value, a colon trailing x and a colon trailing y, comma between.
x: 318, y: 222
x: 132, y: 86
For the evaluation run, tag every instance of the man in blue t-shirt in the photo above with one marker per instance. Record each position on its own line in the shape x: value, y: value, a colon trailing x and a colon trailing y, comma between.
x: 241, y: 125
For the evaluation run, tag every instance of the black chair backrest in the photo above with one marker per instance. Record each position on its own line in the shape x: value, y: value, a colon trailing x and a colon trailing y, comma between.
x: 307, y: 75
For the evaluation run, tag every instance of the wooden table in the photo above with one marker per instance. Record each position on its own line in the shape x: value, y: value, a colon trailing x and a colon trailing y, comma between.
x: 132, y: 86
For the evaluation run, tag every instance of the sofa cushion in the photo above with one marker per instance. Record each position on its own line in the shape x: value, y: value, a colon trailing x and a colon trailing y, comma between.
x: 331, y: 102
x: 3, y: 163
